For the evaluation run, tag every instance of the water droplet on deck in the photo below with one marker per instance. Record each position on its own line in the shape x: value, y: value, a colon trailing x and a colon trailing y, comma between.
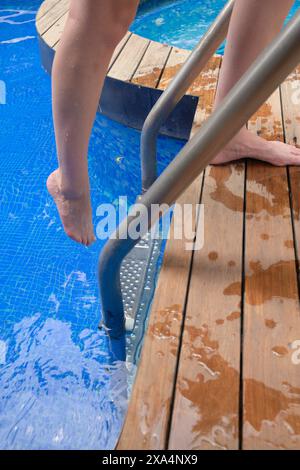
x: 280, y: 351
x: 213, y: 256
x: 270, y: 323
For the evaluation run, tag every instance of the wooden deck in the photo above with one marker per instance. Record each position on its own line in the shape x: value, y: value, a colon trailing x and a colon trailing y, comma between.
x: 218, y: 369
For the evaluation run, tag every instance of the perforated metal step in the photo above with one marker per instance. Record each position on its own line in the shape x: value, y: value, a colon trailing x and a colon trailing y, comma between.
x: 138, y: 274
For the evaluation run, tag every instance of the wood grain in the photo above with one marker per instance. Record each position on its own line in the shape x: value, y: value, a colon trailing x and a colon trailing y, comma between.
x: 271, y: 303
x: 119, y: 49
x: 129, y: 59
x: 152, y: 65
x: 290, y: 96
x: 45, y: 7
x: 53, y: 35
x: 175, y: 61
x: 207, y: 389
x: 46, y: 21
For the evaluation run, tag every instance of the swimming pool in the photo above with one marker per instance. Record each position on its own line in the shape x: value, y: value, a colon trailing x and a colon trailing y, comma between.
x: 59, y: 387
x: 174, y: 22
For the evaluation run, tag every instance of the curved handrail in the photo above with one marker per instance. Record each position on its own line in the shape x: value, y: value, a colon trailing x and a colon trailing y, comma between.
x: 259, y: 82
x: 177, y: 89
x: 111, y: 256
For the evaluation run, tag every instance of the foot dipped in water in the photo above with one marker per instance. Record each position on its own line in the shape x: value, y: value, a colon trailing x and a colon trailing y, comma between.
x: 75, y: 212
x: 249, y: 145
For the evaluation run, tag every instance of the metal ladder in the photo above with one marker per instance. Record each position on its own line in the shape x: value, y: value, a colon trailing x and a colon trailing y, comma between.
x: 259, y: 82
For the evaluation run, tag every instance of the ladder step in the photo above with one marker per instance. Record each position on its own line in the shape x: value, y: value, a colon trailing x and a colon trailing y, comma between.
x: 138, y: 274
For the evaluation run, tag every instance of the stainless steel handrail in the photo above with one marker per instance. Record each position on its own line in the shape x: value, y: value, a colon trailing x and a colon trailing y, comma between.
x: 259, y: 82
x: 177, y: 89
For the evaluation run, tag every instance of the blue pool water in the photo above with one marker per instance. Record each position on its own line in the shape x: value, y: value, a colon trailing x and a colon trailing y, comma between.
x: 180, y: 23
x: 59, y: 388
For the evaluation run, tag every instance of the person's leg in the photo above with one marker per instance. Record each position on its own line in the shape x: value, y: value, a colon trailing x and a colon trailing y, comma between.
x: 93, y: 30
x: 254, y: 24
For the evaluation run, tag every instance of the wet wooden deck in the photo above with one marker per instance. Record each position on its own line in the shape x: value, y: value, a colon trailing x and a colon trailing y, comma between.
x: 218, y: 367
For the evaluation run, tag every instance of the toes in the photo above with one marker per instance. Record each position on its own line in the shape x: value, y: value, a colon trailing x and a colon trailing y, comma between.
x: 294, y: 155
x: 296, y: 152
x: 91, y: 239
x: 75, y: 237
x: 86, y: 239
x: 281, y: 154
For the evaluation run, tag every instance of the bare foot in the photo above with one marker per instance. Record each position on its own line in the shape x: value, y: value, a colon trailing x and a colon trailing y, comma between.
x: 248, y: 145
x: 75, y: 213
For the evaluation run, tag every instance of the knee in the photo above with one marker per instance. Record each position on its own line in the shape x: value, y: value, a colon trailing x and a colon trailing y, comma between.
x: 106, y: 20
x: 121, y: 19
x: 111, y: 36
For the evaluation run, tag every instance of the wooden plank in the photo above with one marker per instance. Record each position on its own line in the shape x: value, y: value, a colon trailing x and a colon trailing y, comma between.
x: 148, y: 416
x: 45, y: 22
x: 119, y: 48
x: 290, y: 94
x: 175, y: 61
x: 267, y: 122
x: 53, y: 35
x: 207, y: 389
x: 151, y: 67
x: 271, y: 304
x: 205, y: 87
x: 130, y: 57
x: 45, y: 7
x: 294, y: 173
x: 149, y: 409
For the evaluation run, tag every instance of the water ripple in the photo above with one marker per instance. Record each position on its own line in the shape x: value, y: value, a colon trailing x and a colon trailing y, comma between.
x: 15, y: 40
x: 58, y: 389
x: 6, y: 15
